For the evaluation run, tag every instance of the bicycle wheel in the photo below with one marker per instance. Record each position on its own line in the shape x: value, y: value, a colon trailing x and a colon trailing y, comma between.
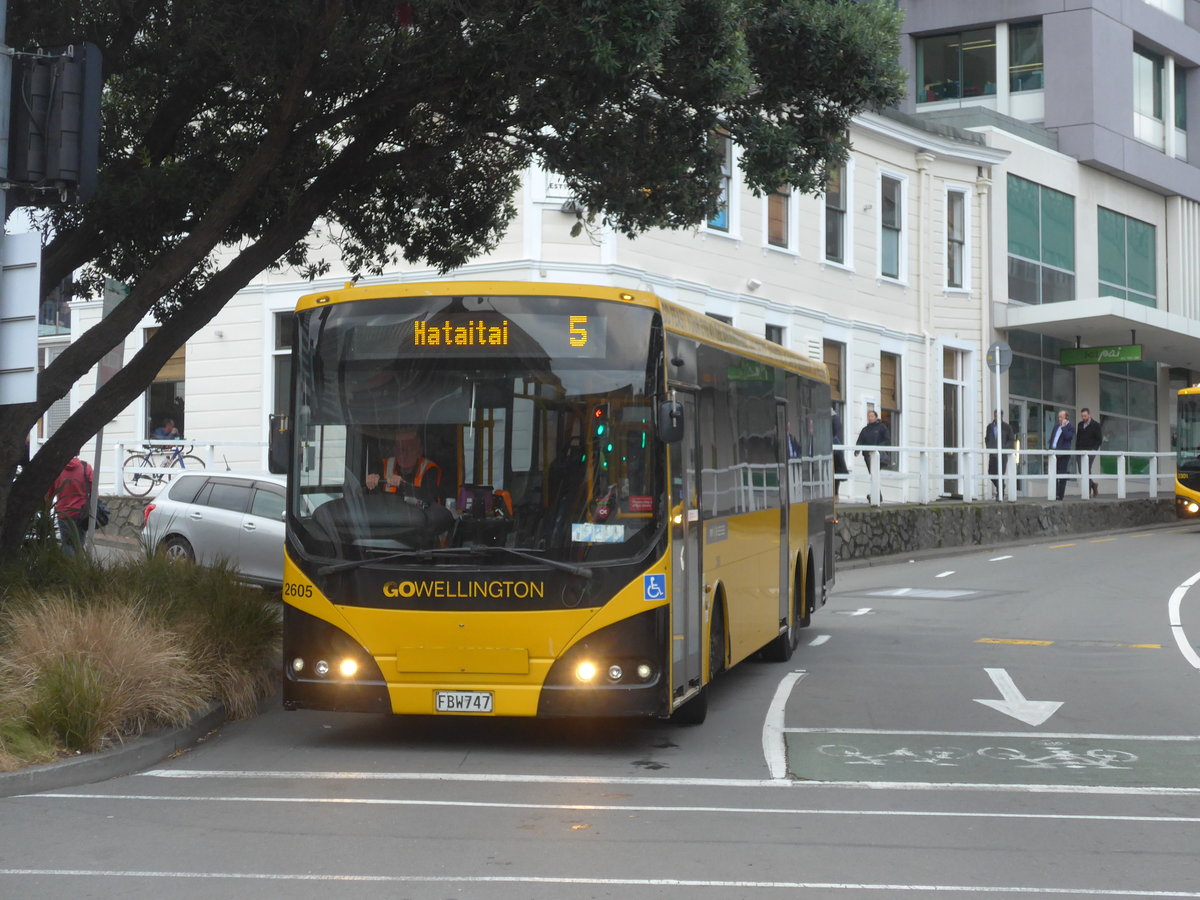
x: 138, y: 474
x: 191, y: 461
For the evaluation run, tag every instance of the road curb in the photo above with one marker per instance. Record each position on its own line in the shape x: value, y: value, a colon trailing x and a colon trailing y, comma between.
x: 124, y: 759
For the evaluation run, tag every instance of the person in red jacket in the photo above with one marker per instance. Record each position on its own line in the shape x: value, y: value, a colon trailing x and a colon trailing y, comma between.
x: 70, y: 496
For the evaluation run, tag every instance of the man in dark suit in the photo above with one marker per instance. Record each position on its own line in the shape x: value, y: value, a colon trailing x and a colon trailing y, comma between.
x: 1061, y: 440
x: 1005, y: 443
x: 1089, y: 436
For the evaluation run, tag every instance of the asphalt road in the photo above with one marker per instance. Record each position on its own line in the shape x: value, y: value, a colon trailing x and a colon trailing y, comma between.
x: 1018, y: 722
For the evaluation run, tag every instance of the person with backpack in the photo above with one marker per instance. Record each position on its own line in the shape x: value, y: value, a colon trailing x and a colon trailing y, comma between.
x: 70, y: 495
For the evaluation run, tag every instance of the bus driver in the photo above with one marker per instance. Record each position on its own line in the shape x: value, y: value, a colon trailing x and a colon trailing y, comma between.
x: 408, y: 471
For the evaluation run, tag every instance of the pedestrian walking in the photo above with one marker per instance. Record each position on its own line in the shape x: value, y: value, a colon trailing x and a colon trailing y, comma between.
x: 1089, y: 436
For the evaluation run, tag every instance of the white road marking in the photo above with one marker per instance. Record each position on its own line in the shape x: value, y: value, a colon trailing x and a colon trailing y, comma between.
x: 923, y: 593
x: 818, y: 640
x: 773, y: 743
x: 624, y: 808
x: 1000, y: 558
x: 861, y: 611
x: 668, y: 781
x: 1040, y: 735
x: 944, y: 574
x: 598, y: 882
x: 1173, y: 616
x: 1015, y: 704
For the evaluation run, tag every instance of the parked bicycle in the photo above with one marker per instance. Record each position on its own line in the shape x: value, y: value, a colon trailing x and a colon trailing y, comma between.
x: 148, y: 468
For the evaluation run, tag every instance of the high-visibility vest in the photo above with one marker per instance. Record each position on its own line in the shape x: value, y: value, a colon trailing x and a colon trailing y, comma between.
x: 424, y: 467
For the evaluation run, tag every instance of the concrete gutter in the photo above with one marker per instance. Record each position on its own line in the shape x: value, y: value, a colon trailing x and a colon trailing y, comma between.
x: 124, y: 759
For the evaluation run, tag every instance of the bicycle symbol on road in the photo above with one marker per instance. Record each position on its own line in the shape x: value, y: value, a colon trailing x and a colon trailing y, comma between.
x: 934, y: 756
x: 1058, y: 756
x: 1052, y: 755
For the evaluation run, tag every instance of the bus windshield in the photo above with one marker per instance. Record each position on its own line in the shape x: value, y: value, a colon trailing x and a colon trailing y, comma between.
x: 517, y: 422
x: 1187, y: 442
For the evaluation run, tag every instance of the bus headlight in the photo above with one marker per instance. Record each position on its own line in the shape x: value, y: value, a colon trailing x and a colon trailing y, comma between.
x: 1193, y: 508
x: 615, y: 672
x: 585, y: 671
x: 348, y: 668
x: 298, y: 664
x: 644, y: 671
x: 321, y: 668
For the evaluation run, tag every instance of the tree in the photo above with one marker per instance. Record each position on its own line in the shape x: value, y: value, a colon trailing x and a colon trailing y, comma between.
x: 231, y: 129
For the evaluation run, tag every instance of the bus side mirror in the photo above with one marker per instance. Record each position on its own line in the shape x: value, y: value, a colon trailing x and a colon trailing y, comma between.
x: 670, y: 421
x: 277, y: 445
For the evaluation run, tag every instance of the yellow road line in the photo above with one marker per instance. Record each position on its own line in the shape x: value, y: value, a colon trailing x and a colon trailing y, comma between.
x: 1060, y: 546
x: 1100, y: 540
x: 1014, y: 641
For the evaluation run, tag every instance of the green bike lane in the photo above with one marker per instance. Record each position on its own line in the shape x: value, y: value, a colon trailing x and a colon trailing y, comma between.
x: 1168, y: 762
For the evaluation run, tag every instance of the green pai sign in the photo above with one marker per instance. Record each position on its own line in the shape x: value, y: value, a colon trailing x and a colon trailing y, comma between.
x: 1083, y: 356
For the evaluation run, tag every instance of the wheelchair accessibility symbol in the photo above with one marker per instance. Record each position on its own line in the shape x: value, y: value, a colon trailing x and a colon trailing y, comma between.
x: 654, y: 587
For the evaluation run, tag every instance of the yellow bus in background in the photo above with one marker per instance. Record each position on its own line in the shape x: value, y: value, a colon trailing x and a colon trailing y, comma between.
x: 633, y: 498
x: 1187, y: 453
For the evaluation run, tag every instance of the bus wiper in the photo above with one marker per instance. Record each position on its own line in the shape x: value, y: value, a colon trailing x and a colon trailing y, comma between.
x: 426, y: 555
x: 531, y: 554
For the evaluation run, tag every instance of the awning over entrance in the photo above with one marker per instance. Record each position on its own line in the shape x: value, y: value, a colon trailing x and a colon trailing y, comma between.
x: 1165, y: 337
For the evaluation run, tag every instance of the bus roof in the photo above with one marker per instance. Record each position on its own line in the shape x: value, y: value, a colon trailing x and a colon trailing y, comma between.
x: 676, y: 319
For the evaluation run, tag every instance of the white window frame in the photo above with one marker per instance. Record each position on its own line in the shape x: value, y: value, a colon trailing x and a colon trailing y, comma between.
x: 967, y: 275
x: 901, y: 276
x: 847, y: 224
x: 733, y: 200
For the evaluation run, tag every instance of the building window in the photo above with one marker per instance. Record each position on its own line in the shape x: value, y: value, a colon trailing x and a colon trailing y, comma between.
x: 165, y: 396
x: 285, y: 333
x: 774, y: 334
x: 1147, y: 83
x: 1038, y: 386
x: 956, y: 239
x: 835, y: 215
x: 833, y: 355
x: 1127, y: 258
x: 889, y: 400
x: 891, y: 212
x: 1181, y: 97
x: 724, y: 148
x: 728, y: 320
x: 1041, y: 243
x: 778, y: 220
x: 1025, y: 57
x: 1128, y: 412
x: 960, y: 64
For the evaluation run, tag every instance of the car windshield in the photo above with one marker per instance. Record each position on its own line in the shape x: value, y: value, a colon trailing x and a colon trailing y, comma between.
x: 471, y: 421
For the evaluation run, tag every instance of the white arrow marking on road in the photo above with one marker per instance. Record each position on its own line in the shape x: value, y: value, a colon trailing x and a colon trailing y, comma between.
x: 1031, y: 712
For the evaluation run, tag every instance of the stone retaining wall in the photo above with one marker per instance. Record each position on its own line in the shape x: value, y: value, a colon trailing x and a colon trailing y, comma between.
x: 864, y: 533
x: 870, y: 532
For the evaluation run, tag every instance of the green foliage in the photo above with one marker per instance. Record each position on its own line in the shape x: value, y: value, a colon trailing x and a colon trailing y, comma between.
x: 440, y: 106
x: 93, y: 654
x: 286, y: 133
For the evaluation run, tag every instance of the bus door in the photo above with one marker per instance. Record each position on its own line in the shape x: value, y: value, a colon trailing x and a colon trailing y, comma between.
x: 785, y: 500
x: 687, y: 597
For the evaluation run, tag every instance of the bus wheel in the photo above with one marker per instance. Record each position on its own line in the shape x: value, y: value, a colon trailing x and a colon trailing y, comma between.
x: 694, y: 712
x: 716, y: 641
x: 804, y: 599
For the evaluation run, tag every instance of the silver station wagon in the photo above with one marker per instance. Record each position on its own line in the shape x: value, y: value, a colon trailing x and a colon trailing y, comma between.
x: 210, y: 517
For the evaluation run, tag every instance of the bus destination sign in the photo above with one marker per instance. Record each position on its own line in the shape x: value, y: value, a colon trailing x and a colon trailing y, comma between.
x: 580, y: 336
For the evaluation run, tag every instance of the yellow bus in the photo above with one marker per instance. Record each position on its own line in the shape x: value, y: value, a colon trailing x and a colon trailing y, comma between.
x: 628, y: 498
x: 1187, y: 453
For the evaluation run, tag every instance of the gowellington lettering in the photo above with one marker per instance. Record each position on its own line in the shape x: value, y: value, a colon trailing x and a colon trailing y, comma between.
x: 473, y: 333
x: 466, y: 590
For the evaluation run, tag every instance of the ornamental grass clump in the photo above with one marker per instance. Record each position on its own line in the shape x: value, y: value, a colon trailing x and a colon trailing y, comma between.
x: 94, y: 654
x: 94, y: 674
